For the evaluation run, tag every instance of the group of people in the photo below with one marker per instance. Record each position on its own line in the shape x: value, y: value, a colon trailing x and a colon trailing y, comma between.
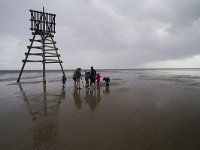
x: 91, y: 77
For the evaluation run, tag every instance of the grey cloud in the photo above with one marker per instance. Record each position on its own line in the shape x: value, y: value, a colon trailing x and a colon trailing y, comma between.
x: 135, y: 31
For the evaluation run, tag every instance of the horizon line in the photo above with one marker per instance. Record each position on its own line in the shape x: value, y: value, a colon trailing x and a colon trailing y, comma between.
x: 97, y: 69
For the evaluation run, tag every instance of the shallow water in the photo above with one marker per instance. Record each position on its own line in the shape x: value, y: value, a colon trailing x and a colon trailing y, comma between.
x: 142, y: 109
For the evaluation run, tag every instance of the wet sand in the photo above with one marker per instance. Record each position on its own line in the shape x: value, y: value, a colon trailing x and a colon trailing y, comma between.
x: 141, y: 110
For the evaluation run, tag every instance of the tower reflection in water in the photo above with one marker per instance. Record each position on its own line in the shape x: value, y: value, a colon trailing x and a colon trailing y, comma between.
x: 43, y: 108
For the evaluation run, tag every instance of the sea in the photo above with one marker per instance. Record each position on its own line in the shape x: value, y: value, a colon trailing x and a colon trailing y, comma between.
x: 8, y: 77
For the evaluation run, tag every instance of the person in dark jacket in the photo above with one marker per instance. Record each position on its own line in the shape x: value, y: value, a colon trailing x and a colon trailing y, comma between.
x: 63, y: 80
x: 92, y: 76
x: 87, y: 77
x: 107, y: 80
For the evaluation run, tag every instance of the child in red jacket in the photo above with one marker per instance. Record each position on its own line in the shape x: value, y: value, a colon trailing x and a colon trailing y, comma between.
x: 98, y: 79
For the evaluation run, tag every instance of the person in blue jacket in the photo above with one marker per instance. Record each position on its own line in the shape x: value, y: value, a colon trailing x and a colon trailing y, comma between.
x: 63, y: 80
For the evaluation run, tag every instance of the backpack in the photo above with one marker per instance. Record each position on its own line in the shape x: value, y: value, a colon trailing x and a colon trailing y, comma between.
x: 78, y: 73
x: 93, y: 74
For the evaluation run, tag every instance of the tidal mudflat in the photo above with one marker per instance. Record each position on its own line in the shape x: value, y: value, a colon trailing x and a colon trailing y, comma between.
x: 140, y: 110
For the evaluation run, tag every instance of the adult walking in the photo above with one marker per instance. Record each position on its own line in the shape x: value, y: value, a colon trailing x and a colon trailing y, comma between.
x: 76, y: 77
x: 92, y: 76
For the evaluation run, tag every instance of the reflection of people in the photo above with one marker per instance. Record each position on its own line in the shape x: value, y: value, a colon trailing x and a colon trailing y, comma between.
x: 86, y: 93
x: 98, y: 94
x: 63, y: 93
x: 77, y: 98
x: 107, y: 90
x: 92, y: 98
x: 107, y: 80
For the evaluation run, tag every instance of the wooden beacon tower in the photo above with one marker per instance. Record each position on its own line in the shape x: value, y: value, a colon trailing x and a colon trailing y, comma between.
x: 44, y: 47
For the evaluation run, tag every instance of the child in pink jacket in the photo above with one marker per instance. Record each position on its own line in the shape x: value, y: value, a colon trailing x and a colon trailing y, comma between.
x: 98, y: 78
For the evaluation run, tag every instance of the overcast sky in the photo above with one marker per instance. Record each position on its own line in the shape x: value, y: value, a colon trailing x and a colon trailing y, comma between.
x: 107, y: 33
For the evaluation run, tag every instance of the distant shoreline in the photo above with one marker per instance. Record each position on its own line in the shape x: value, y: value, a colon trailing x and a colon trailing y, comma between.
x: 106, y: 69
